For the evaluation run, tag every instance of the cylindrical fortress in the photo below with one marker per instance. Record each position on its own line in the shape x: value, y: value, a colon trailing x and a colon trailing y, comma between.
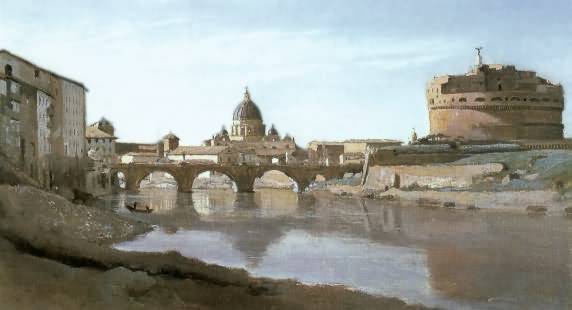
x: 495, y: 102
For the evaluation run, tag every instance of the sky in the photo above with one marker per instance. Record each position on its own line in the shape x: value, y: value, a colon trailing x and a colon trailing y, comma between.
x: 318, y: 70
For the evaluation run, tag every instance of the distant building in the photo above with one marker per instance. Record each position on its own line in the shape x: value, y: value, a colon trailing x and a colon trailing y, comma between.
x: 170, y: 143
x: 250, y: 141
x: 210, y: 154
x: 247, y: 123
x: 326, y: 153
x: 100, y: 141
x: 139, y: 157
x: 139, y: 152
x: 351, y: 151
x: 495, y: 103
x: 42, y: 116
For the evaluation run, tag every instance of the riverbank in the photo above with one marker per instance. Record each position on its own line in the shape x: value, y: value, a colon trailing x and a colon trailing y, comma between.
x: 556, y: 203
x: 512, y: 181
x: 57, y: 254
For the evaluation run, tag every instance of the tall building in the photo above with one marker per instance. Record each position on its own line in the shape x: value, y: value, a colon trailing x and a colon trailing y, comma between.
x: 42, y: 116
x: 496, y: 103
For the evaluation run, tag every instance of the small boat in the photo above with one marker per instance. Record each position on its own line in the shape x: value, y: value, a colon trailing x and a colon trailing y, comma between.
x: 536, y: 209
x: 448, y: 204
x: 135, y: 208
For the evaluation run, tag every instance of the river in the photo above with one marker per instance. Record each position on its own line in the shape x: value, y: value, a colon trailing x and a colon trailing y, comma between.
x: 452, y: 259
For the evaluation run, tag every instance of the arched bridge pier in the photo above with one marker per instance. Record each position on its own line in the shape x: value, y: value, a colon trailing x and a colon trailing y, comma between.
x: 242, y: 175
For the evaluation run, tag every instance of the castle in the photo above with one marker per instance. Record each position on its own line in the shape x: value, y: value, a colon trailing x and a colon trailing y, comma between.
x: 495, y: 103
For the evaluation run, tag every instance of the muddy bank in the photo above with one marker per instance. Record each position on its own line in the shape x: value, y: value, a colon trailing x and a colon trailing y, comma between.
x: 57, y: 254
x: 556, y: 203
x: 500, y: 181
x: 519, y: 201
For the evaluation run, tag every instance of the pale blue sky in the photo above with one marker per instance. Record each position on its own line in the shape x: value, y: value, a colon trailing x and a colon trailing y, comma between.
x: 317, y: 69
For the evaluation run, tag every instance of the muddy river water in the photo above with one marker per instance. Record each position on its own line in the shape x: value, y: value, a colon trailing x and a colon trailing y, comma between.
x: 452, y: 259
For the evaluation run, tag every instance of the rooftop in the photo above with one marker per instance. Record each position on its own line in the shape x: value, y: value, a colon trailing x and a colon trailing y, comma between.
x: 94, y: 132
x: 5, y: 51
x: 199, y: 150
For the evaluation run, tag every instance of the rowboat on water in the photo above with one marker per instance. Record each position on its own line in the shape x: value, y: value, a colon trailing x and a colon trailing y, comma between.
x: 136, y: 208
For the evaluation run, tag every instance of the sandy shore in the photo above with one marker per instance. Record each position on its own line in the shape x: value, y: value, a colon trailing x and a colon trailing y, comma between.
x: 57, y: 255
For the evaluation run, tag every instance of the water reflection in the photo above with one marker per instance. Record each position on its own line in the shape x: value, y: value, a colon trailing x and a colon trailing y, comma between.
x: 452, y: 259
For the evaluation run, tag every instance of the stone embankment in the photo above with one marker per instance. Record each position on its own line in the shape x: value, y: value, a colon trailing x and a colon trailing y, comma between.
x: 503, y: 180
x: 55, y: 254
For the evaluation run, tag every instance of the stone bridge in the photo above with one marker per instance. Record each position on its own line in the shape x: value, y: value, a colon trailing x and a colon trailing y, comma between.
x: 242, y: 175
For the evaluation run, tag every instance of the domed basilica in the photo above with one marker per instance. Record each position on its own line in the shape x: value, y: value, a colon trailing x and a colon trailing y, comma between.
x: 248, y: 134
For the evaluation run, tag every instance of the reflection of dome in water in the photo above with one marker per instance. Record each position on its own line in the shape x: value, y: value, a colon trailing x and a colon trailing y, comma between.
x: 246, y: 109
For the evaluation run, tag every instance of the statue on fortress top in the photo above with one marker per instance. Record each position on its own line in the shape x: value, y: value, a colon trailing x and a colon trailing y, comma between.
x: 413, y: 137
x: 478, y: 57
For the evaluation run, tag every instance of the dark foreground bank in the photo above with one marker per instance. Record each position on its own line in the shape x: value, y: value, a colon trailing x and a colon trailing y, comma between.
x: 55, y: 254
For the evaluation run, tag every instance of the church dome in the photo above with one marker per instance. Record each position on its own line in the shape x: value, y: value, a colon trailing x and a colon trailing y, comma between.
x: 272, y: 131
x: 246, y: 109
x: 223, y: 131
x: 170, y: 136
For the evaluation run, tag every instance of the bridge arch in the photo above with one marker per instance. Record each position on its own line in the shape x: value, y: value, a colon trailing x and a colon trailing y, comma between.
x: 298, y: 177
x: 225, y: 172
x: 274, y: 178
x: 149, y: 180
x: 134, y: 174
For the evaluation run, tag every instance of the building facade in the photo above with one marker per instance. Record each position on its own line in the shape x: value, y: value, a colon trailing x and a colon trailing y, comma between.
x: 100, y: 142
x: 495, y: 103
x: 38, y: 135
x: 210, y: 154
x: 73, y: 97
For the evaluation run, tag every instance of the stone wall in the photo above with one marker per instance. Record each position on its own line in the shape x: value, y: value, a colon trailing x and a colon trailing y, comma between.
x: 428, y: 176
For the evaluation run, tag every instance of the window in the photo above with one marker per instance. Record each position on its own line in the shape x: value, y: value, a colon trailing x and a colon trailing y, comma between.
x: 8, y: 70
x: 514, y: 99
x: 14, y: 88
x: 496, y: 99
x: 36, y: 73
x: 15, y: 106
x: 463, y: 99
x: 500, y: 86
x: 3, y: 87
x: 479, y: 99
